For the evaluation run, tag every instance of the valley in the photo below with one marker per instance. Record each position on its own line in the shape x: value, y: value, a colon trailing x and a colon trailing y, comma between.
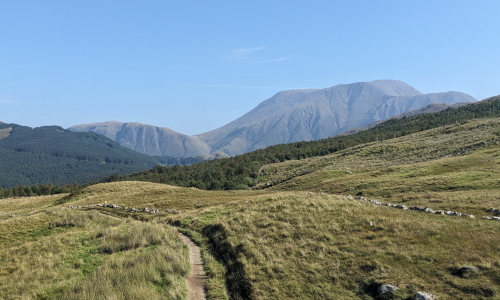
x: 302, y: 232
x: 249, y: 150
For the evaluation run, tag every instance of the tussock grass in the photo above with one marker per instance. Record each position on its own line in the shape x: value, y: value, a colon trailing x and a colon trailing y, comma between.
x: 72, y: 219
x: 312, y: 246
x: 70, y: 254
x: 162, y: 196
x: 453, y: 167
x: 143, y: 273
x: 125, y: 237
x: 25, y: 205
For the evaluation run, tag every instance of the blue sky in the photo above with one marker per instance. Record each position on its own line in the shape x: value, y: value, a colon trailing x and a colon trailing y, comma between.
x: 196, y: 65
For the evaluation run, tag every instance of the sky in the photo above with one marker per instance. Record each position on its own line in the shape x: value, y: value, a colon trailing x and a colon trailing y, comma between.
x: 194, y: 66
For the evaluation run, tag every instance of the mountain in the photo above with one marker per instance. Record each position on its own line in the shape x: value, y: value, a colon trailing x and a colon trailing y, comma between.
x: 148, y: 139
x: 289, y: 116
x: 243, y: 171
x: 303, y: 115
x: 52, y: 154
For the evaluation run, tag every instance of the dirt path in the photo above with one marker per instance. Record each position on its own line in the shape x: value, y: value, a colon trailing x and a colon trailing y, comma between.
x: 196, y: 279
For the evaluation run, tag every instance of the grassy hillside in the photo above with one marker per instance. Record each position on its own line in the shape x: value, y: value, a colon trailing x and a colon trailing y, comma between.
x: 296, y: 240
x: 297, y: 235
x: 458, y: 162
x: 51, y: 154
x: 241, y: 172
x: 47, y: 252
x: 307, y: 245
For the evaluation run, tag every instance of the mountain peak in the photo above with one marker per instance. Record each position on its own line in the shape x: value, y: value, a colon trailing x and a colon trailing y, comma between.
x: 288, y: 116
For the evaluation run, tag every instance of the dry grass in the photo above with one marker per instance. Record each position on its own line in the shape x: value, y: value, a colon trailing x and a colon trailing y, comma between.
x: 152, y: 268
x: 125, y: 237
x: 312, y: 246
x: 272, y: 243
x: 25, y: 205
x: 162, y: 196
x: 60, y: 253
x: 456, y: 167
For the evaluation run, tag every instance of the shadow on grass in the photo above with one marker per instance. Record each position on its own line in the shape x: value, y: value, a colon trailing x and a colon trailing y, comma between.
x: 237, y: 283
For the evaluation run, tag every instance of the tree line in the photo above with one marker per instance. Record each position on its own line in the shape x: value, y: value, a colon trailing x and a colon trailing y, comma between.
x: 241, y: 172
x: 38, y: 190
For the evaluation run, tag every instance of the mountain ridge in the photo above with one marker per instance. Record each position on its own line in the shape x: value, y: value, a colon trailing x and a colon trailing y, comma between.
x: 288, y: 116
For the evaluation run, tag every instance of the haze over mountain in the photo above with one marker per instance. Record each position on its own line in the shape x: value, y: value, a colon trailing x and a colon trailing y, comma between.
x: 288, y: 116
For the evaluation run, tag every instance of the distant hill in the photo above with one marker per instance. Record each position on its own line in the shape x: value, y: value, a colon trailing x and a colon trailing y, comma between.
x: 52, y: 154
x: 289, y: 116
x: 242, y: 171
x: 148, y: 139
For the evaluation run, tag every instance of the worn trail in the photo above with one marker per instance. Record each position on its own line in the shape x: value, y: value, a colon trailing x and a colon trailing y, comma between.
x: 196, y: 279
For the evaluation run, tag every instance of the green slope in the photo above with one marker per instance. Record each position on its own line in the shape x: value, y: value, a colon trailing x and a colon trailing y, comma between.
x: 52, y: 154
x: 241, y: 172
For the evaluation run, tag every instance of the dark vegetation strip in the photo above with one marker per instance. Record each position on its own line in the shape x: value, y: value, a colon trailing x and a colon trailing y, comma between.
x: 39, y: 190
x: 241, y: 172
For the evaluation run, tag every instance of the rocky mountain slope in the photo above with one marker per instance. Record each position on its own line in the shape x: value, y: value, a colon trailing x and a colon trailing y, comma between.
x: 289, y: 116
x: 148, y: 139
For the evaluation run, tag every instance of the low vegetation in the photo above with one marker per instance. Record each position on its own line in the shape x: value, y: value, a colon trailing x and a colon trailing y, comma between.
x: 296, y: 235
x: 312, y: 246
x: 50, y: 252
x: 308, y: 245
x: 428, y: 168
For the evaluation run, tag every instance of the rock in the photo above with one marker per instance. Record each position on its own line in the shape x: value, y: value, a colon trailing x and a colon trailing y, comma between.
x: 386, y: 291
x: 439, y: 212
x: 424, y: 296
x: 12, y: 215
x: 348, y: 172
x: 495, y: 218
x: 467, y: 272
x: 401, y: 206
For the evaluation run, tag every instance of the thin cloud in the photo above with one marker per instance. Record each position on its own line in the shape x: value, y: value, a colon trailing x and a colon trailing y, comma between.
x: 244, y: 53
x: 275, y: 60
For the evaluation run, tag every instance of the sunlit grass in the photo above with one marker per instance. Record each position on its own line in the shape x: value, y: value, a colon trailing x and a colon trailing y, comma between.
x: 70, y: 254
